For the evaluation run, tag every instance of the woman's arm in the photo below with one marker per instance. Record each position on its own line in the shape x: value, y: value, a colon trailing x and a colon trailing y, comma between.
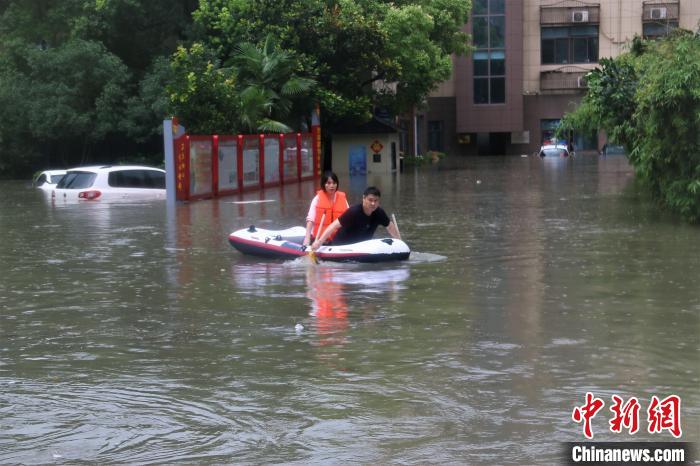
x: 310, y: 221
x: 307, y: 235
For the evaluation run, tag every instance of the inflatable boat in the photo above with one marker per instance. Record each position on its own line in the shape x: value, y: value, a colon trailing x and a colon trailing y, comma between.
x: 287, y: 244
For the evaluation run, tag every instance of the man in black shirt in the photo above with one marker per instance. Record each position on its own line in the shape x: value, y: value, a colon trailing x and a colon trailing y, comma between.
x: 359, y: 222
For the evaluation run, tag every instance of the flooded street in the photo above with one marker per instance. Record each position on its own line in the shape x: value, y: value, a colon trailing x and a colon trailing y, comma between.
x: 134, y: 333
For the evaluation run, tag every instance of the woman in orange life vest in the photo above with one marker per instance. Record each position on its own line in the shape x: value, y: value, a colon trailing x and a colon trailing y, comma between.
x: 328, y: 204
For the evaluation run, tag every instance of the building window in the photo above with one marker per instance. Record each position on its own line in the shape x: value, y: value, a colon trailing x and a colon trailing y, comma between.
x: 570, y: 44
x: 435, y: 136
x: 489, y: 58
x: 656, y: 29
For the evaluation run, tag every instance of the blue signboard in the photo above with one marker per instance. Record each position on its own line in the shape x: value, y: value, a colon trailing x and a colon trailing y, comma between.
x: 358, y: 160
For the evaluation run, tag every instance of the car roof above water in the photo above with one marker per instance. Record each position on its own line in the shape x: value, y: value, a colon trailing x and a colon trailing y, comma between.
x: 53, y: 172
x: 111, y: 168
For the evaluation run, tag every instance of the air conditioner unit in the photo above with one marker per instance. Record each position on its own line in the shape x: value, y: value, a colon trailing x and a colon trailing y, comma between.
x: 579, y: 16
x: 658, y: 13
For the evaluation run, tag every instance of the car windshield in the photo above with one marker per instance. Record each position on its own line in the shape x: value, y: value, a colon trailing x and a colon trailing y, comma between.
x: 615, y: 149
x: 554, y: 152
x: 77, y: 180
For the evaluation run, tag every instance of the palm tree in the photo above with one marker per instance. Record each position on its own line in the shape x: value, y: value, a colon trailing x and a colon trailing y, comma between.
x: 269, y: 87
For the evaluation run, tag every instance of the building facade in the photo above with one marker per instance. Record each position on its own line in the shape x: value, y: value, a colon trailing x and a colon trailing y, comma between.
x: 528, y: 68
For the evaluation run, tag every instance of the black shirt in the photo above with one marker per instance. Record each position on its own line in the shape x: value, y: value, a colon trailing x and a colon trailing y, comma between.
x: 355, y: 226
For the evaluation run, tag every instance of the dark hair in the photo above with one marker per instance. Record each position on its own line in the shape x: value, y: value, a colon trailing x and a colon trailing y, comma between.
x: 373, y: 191
x: 326, y: 176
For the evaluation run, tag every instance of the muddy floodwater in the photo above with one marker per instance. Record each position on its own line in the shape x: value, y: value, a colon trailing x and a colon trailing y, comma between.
x: 134, y: 333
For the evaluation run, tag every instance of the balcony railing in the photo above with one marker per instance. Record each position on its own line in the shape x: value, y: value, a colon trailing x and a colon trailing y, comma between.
x: 569, y: 12
x: 566, y: 78
x: 660, y: 10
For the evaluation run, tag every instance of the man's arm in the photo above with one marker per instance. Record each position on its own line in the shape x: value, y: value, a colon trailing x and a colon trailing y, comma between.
x: 329, y: 231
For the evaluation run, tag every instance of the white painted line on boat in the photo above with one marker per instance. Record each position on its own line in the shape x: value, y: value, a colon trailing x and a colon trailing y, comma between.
x: 253, y: 202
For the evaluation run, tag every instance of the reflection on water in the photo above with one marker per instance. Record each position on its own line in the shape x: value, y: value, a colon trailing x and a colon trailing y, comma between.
x: 330, y: 287
x: 136, y: 334
x: 329, y: 307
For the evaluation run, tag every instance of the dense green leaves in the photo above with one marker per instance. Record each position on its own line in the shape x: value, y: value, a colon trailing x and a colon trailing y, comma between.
x: 609, y: 103
x: 91, y: 80
x: 203, y: 94
x: 69, y: 99
x: 256, y: 91
x: 84, y: 81
x: 649, y: 100
x: 268, y: 76
x: 62, y: 99
x: 361, y: 53
x: 667, y: 119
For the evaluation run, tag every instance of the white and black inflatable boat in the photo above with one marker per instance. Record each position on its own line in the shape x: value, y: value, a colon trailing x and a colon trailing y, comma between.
x: 287, y: 244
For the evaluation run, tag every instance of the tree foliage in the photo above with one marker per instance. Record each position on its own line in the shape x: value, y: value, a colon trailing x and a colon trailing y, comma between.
x: 361, y: 53
x: 81, y: 80
x: 649, y: 100
x: 202, y: 94
x: 609, y: 103
x: 255, y: 90
x: 86, y: 80
x: 268, y: 77
x: 60, y: 98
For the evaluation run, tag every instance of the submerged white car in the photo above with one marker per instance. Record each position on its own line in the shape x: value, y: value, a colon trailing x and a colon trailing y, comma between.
x: 48, y: 179
x: 111, y: 182
x: 554, y: 150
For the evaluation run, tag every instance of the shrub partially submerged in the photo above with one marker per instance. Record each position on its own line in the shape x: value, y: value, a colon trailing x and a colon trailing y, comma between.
x: 649, y: 100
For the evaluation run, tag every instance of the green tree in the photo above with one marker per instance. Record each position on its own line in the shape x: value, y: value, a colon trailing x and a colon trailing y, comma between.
x: 61, y: 99
x: 257, y: 90
x: 667, y: 118
x: 203, y: 93
x: 609, y: 103
x: 649, y: 100
x: 270, y: 89
x: 362, y: 53
x: 83, y: 80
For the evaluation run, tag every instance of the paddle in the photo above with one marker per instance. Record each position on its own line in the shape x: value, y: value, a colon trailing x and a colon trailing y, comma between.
x: 312, y: 253
x: 393, y: 218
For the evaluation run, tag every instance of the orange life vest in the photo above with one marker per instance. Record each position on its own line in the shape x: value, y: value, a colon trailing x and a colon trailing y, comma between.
x: 329, y: 210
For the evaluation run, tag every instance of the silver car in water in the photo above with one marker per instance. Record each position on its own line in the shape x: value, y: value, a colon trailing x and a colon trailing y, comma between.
x: 111, y: 182
x: 48, y: 179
